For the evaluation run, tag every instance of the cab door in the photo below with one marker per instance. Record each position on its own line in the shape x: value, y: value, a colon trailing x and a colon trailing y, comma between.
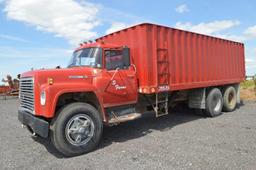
x: 119, y: 78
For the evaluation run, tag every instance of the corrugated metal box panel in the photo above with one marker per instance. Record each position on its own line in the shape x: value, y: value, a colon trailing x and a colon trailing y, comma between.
x: 167, y: 57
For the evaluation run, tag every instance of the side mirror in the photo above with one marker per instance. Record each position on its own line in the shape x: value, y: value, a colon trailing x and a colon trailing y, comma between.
x: 126, y: 56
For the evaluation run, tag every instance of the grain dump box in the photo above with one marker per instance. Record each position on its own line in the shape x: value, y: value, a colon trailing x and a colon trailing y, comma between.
x: 168, y: 58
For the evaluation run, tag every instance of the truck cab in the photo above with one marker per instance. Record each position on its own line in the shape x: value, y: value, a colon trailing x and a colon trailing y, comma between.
x: 99, y: 76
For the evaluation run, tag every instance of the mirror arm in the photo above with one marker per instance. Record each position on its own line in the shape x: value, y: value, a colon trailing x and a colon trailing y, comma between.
x: 135, y: 69
x: 114, y: 74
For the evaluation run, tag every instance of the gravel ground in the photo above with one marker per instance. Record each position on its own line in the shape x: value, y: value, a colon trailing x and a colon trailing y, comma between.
x: 180, y: 140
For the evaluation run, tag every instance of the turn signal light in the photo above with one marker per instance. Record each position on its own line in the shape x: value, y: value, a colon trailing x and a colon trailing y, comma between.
x: 50, y: 81
x: 153, y: 90
x: 145, y: 90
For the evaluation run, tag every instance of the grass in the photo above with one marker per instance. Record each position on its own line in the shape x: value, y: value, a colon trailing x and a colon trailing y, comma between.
x: 248, y: 90
x: 248, y: 84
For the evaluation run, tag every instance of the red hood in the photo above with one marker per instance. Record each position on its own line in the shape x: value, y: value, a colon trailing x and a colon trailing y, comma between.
x: 64, y: 80
x: 74, y: 74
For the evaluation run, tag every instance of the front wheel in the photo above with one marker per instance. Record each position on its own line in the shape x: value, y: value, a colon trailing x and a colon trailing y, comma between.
x: 77, y: 129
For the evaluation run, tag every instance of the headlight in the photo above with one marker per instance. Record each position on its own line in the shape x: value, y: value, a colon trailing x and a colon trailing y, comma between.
x: 43, y: 98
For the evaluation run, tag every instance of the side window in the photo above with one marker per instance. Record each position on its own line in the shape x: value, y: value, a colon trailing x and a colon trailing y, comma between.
x: 91, y: 57
x: 114, y: 59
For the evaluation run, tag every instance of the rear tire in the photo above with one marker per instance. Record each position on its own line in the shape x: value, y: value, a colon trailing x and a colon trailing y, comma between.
x: 229, y: 99
x: 77, y: 129
x: 214, y: 103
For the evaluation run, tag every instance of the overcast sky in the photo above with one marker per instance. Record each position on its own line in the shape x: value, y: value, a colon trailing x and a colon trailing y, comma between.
x: 43, y: 33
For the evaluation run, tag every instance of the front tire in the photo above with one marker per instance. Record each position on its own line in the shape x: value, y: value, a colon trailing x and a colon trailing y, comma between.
x: 77, y: 129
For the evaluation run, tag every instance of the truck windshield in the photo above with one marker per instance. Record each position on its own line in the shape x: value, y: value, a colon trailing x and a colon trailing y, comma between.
x: 91, y: 57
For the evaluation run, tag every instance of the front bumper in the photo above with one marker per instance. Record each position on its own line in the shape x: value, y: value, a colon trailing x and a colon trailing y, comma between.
x: 38, y: 125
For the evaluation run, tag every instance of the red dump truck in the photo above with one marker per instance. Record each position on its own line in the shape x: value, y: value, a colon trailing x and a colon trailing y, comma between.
x: 120, y: 76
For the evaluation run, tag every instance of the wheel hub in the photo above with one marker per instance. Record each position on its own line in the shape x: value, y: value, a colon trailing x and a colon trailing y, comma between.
x: 217, y: 103
x: 79, y: 130
x: 231, y: 99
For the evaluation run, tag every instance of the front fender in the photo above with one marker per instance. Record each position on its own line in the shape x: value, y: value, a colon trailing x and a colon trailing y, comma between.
x: 53, y: 92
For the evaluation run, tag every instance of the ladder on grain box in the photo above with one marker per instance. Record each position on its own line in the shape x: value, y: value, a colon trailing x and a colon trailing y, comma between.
x: 163, y: 75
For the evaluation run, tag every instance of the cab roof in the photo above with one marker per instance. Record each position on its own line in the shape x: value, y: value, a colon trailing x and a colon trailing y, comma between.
x: 97, y: 44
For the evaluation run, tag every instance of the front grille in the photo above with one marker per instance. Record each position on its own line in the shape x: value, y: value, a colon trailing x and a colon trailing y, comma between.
x: 27, y: 94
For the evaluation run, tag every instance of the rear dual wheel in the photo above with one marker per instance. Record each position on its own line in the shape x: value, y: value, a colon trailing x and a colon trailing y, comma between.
x: 216, y: 101
x: 229, y: 99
